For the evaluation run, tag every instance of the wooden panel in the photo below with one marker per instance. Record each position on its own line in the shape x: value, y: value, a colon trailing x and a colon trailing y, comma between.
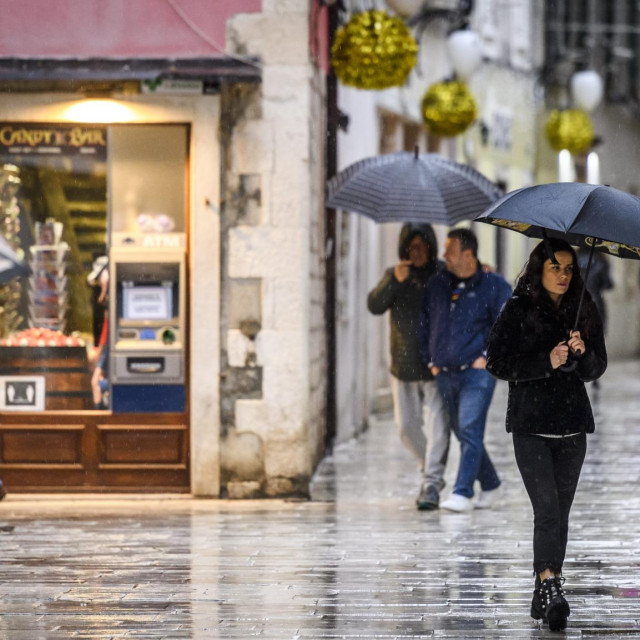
x: 91, y: 451
x: 141, y: 444
x: 41, y: 446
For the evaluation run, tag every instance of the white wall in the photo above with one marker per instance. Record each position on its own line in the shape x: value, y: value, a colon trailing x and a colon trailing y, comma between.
x: 365, y: 248
x: 280, y: 140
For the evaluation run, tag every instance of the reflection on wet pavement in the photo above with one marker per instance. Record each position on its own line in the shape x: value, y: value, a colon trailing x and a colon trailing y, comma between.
x: 358, y: 561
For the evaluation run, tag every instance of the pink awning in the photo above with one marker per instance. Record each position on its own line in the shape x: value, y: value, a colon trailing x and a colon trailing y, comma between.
x: 118, y: 28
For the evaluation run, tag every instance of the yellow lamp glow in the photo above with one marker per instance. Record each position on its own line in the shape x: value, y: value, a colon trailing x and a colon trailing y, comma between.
x: 99, y: 111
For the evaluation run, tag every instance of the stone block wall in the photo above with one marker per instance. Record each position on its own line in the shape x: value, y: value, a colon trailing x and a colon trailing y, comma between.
x: 272, y: 318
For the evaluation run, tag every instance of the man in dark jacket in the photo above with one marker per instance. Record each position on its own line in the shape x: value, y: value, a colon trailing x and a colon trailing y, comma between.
x: 417, y: 403
x: 460, y: 306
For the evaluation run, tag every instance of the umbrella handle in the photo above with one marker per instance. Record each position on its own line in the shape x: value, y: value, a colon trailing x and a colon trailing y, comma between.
x: 571, y: 363
x: 584, y: 288
x: 567, y: 368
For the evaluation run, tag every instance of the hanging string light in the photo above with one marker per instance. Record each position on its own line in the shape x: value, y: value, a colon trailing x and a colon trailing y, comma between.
x: 448, y: 108
x: 570, y: 129
x: 373, y: 51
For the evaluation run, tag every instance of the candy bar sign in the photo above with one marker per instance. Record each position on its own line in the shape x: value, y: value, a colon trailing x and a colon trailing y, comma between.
x: 53, y: 139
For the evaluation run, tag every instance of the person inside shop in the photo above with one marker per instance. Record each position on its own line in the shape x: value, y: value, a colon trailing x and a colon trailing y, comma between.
x: 533, y: 347
x: 99, y: 277
x: 418, y: 409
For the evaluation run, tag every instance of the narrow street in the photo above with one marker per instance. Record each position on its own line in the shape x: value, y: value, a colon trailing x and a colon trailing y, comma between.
x: 358, y: 561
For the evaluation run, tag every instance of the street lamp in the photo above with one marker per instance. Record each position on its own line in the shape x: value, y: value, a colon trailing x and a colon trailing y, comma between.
x: 586, y: 91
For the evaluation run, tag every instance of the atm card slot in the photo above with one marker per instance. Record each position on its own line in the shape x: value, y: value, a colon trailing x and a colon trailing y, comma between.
x: 145, y: 365
x: 128, y: 334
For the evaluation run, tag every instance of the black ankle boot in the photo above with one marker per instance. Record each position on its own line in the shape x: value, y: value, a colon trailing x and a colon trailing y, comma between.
x: 555, y: 607
x: 537, y: 610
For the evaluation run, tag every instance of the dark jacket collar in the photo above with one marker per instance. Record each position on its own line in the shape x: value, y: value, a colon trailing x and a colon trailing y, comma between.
x: 471, y: 281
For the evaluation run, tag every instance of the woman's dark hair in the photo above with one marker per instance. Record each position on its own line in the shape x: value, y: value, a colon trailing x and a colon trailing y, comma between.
x: 529, y: 283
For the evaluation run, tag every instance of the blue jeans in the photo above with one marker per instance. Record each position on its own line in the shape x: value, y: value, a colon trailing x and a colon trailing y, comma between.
x: 467, y: 395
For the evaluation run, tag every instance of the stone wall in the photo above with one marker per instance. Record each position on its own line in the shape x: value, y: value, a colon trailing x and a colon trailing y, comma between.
x: 272, y: 323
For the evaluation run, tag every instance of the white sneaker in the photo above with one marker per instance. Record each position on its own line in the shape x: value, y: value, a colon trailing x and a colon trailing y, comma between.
x: 456, y: 502
x: 487, y: 498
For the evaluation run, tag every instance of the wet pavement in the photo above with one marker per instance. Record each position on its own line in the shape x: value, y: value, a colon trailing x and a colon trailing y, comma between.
x: 358, y: 561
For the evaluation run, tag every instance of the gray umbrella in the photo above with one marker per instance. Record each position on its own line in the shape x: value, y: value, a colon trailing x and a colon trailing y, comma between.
x: 10, y: 264
x: 412, y: 187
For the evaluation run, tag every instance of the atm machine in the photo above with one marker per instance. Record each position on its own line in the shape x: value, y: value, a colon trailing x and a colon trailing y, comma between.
x: 147, y: 332
x: 148, y: 178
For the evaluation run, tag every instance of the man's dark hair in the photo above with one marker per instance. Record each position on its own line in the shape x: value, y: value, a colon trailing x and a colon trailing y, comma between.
x: 467, y: 239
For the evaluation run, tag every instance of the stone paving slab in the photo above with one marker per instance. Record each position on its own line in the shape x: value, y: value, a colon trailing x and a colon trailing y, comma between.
x: 358, y: 561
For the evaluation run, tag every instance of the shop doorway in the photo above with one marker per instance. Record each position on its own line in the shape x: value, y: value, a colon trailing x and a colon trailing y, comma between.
x: 74, y: 199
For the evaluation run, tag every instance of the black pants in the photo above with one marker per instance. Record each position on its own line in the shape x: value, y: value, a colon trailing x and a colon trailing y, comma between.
x: 550, y: 469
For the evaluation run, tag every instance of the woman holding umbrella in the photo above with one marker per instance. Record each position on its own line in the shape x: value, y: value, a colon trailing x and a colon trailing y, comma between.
x: 549, y: 413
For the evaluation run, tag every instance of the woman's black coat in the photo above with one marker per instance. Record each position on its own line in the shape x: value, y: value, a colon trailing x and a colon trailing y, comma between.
x: 543, y: 400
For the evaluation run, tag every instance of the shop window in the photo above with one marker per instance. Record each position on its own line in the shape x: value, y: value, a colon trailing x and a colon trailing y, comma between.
x: 72, y: 197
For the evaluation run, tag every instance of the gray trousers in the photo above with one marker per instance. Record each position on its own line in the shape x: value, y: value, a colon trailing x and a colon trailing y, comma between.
x: 423, y: 424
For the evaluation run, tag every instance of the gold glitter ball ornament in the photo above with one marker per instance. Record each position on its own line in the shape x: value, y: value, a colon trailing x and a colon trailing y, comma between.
x: 373, y: 51
x: 570, y: 129
x: 448, y: 108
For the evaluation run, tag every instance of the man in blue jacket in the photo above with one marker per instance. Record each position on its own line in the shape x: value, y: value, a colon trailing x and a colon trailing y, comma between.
x: 459, y: 308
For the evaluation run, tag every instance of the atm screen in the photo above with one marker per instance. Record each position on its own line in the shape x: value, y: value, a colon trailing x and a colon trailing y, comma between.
x: 147, y: 301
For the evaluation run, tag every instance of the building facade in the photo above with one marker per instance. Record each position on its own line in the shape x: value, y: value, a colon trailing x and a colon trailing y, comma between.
x: 529, y: 51
x: 205, y: 194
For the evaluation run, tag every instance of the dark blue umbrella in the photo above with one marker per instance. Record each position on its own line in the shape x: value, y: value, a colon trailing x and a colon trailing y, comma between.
x: 585, y: 215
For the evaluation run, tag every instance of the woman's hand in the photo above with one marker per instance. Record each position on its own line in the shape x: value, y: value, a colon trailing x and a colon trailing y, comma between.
x: 576, y: 344
x: 559, y: 355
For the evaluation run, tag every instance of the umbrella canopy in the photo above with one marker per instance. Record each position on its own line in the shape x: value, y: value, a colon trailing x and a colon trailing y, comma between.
x: 588, y: 215
x: 412, y: 187
x: 585, y: 215
x: 10, y: 264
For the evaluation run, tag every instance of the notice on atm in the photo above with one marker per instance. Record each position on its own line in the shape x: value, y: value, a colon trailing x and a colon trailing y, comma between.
x: 146, y: 303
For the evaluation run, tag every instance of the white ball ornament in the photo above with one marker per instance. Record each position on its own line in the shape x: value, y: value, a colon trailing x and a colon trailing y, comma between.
x: 465, y: 52
x: 586, y: 89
